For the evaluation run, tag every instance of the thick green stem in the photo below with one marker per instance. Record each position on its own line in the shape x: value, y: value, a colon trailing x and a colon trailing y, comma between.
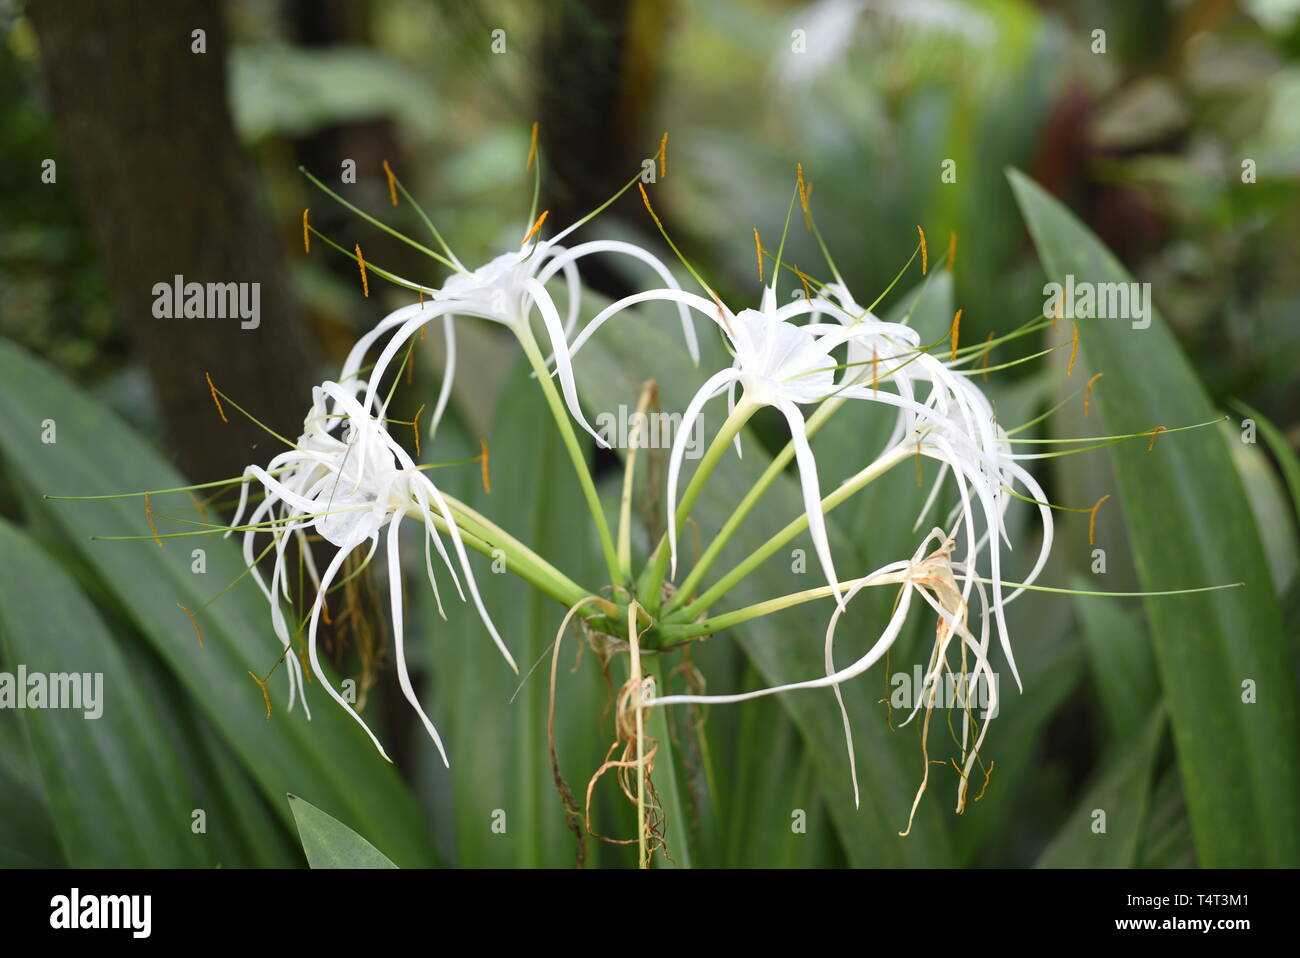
x: 526, y: 564
x: 854, y: 485
x: 652, y: 579
x: 517, y: 554
x: 576, y: 454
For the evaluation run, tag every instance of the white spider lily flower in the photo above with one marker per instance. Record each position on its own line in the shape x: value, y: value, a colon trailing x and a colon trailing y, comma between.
x: 505, y: 290
x: 348, y: 490
x: 963, y: 435
x: 775, y: 363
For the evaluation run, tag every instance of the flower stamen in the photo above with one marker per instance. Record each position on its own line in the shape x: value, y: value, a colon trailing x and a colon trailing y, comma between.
x: 361, y: 262
x: 215, y: 398
x: 265, y: 697
x: 148, y: 514
x: 197, y: 628
x: 1087, y: 392
x: 392, y: 183
x: 536, y: 226
x: 483, y: 460
x: 1092, y: 517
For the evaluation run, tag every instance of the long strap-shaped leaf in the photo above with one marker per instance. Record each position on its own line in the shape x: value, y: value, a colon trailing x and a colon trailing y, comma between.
x: 94, y: 453
x: 1225, y: 664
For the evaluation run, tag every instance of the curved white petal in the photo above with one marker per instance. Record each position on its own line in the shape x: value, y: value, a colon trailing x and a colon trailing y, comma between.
x: 399, y: 646
x: 712, y: 386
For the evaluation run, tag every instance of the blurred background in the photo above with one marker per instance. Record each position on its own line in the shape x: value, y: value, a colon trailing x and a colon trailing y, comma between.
x: 1136, y: 114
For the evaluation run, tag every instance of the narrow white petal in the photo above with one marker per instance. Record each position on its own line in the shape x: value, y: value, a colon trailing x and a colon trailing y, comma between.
x: 399, y: 648
x: 326, y: 581
x: 712, y: 386
x: 812, y: 496
x: 563, y: 364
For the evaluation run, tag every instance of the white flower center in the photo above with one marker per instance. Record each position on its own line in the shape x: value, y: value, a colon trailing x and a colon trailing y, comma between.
x: 779, y: 360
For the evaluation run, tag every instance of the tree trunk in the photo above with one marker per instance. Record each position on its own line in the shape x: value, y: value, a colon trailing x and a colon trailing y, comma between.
x: 597, y: 74
x: 147, y: 132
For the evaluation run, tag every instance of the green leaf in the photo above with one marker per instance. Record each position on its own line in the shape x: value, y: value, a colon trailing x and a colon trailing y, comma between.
x: 1191, y: 526
x: 115, y: 786
x: 508, y: 812
x: 1276, y: 440
x: 775, y: 816
x: 1167, y: 839
x: 94, y: 453
x: 667, y: 779
x: 1122, y: 662
x: 1121, y: 792
x: 328, y: 843
x: 27, y: 837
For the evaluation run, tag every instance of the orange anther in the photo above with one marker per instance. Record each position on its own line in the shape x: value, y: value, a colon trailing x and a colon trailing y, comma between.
x: 148, y: 514
x: 925, y: 259
x: 987, y: 776
x: 194, y: 619
x: 392, y: 183
x: 536, y: 226
x: 803, y: 279
x: 266, y: 698
x: 415, y: 427
x: 1092, y: 517
x: 1087, y: 392
x: 361, y: 262
x: 215, y: 398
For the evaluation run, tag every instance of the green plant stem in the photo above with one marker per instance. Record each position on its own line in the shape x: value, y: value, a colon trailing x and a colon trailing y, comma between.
x: 652, y: 579
x: 676, y: 634
x: 493, y: 535
x: 854, y: 485
x: 526, y: 564
x: 648, y: 392
x: 574, y: 448
x: 634, y: 668
x: 746, y: 505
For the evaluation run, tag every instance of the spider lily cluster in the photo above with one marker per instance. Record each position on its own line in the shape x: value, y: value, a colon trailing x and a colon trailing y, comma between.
x: 349, y: 484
